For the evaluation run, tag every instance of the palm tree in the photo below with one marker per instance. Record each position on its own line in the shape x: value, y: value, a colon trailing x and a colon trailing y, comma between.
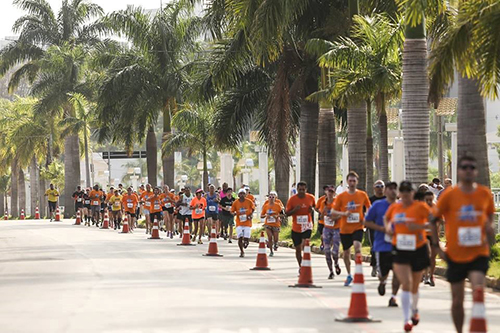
x: 147, y: 80
x: 4, y: 188
x: 195, y: 132
x: 50, y: 50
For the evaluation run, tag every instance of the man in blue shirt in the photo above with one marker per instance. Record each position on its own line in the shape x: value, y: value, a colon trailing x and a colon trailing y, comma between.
x: 382, y: 246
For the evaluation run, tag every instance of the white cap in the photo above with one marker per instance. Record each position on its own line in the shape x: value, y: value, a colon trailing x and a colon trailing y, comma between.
x: 273, y: 193
x: 247, y: 188
x: 242, y: 190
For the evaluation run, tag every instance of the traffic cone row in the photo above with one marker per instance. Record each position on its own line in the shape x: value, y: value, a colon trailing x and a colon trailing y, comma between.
x: 22, y: 214
x: 213, y: 250
x: 58, y: 215
x: 125, y: 228
x: 186, y: 237
x: 478, y: 316
x: 37, y: 214
x: 155, y: 233
x: 305, y: 276
x: 105, y: 222
x: 78, y: 218
x: 261, y: 264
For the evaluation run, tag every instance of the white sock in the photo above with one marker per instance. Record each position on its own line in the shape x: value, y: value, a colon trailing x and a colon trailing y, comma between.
x: 405, y: 304
x: 393, y: 296
x: 414, y: 303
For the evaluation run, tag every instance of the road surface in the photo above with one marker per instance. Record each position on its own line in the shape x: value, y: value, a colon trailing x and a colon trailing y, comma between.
x: 57, y: 277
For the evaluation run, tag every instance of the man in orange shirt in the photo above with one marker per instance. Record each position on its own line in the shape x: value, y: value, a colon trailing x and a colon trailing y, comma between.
x: 301, y: 207
x: 198, y: 206
x: 467, y: 209
x: 155, y: 205
x: 146, y: 206
x: 95, y: 204
x: 130, y: 202
x: 349, y: 207
x: 168, y: 200
x: 243, y: 209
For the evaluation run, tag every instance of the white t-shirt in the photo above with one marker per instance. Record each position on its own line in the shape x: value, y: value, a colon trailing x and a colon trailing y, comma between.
x: 185, y: 210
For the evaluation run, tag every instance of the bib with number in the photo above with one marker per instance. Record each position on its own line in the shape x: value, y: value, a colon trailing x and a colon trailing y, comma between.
x: 95, y: 203
x: 198, y: 210
x: 353, y: 218
x: 243, y: 218
x: 271, y: 219
x: 147, y: 203
x: 87, y: 202
x: 328, y: 221
x: 157, y: 206
x: 79, y: 199
x: 469, y: 236
x: 117, y: 203
x: 211, y: 208
x: 406, y: 242
x: 168, y: 204
x: 130, y: 205
x: 302, y: 219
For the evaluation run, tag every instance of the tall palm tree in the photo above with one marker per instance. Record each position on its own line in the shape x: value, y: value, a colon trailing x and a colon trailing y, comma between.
x: 41, y: 31
x: 195, y: 132
x: 4, y: 188
x: 149, y: 79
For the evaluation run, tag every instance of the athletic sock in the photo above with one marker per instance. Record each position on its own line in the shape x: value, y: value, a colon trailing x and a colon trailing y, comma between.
x: 414, y: 303
x: 406, y: 304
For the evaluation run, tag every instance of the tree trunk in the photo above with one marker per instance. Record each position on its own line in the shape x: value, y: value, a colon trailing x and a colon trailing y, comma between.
x: 327, y: 152
x: 369, y: 149
x: 22, y: 190
x: 14, y: 212
x: 282, y: 177
x: 152, y: 157
x: 384, y: 146
x: 309, y: 113
x: 87, y: 160
x: 33, y: 186
x: 205, y: 172
x: 168, y: 161
x: 415, y: 106
x: 471, y: 127
x: 356, y: 141
x: 2, y: 204
x: 71, y: 173
x: 42, y: 200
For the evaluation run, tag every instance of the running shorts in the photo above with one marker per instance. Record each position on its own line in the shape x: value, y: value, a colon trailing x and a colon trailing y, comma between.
x: 458, y: 272
x: 347, y: 240
x: 298, y: 237
x: 418, y: 259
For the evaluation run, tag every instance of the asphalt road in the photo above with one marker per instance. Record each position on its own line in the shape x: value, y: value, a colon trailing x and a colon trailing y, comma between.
x: 56, y: 277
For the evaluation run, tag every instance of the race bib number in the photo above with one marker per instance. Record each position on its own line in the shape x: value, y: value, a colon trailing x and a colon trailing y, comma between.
x: 271, y: 219
x: 79, y: 199
x: 211, y: 208
x: 87, y: 202
x: 469, y: 236
x: 147, y: 204
x: 95, y: 203
x: 168, y: 205
x: 328, y: 221
x: 117, y: 203
x: 243, y: 218
x: 406, y: 242
x: 303, y: 219
x: 130, y: 205
x: 198, y: 211
x: 353, y: 218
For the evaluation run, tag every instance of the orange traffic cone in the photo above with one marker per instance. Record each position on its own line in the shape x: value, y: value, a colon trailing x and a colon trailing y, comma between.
x: 213, y: 250
x: 261, y: 264
x: 125, y: 229
x: 305, y: 277
x: 78, y: 218
x: 6, y: 216
x: 358, y: 309
x: 478, y: 317
x: 105, y: 222
x: 37, y: 214
x: 155, y: 233
x: 186, y: 236
x: 58, y: 215
x: 22, y: 214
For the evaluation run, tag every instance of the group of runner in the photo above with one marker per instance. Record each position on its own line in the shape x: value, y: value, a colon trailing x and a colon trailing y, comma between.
x: 403, y: 225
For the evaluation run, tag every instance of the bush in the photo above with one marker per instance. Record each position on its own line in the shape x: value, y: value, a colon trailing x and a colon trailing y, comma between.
x: 495, y: 252
x: 497, y: 238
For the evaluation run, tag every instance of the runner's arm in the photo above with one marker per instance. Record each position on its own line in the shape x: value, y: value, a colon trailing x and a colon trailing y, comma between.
x: 374, y: 226
x: 435, y: 237
x: 490, y: 232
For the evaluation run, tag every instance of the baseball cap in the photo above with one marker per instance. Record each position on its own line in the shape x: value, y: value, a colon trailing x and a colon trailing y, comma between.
x: 242, y: 190
x: 199, y: 191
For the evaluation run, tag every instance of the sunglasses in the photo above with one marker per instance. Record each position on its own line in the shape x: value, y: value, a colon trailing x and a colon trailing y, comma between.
x: 468, y: 166
x: 379, y: 186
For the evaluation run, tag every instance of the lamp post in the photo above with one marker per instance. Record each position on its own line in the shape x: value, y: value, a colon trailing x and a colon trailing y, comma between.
x: 184, y: 179
x: 106, y: 174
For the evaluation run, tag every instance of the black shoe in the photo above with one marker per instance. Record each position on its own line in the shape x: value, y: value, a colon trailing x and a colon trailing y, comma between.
x: 330, y: 277
x: 392, y: 303
x: 374, y: 272
x: 381, y: 289
x: 431, y: 282
x: 337, y: 269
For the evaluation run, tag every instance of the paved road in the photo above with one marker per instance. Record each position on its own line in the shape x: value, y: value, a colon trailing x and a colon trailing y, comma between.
x: 56, y: 277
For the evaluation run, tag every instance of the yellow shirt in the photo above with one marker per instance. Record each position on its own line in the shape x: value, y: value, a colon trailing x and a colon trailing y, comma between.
x: 116, y: 202
x: 52, y: 194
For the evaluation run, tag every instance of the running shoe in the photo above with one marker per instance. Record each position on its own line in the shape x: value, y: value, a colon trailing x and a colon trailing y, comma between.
x: 229, y: 241
x: 199, y: 241
x: 271, y: 254
x: 415, y: 319
x: 431, y: 282
x: 171, y: 236
x: 348, y: 281
x: 337, y: 269
x: 374, y: 271
x: 408, y: 327
x: 381, y: 289
x: 321, y: 247
x: 242, y: 255
x: 392, y: 303
x: 245, y: 245
x: 275, y: 247
x: 330, y: 277
x: 426, y: 280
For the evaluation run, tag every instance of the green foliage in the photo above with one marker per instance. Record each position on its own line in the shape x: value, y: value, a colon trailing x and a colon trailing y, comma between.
x: 54, y: 174
x: 495, y: 179
x: 495, y: 252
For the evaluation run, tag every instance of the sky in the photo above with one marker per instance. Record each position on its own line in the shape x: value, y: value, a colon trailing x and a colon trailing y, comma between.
x: 9, y: 13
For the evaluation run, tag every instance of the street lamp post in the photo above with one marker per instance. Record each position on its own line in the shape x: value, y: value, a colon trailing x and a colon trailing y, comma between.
x: 184, y: 179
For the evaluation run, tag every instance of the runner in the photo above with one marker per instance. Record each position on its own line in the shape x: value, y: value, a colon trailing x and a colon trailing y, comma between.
x: 108, y: 206
x: 467, y: 209
x: 52, y: 196
x: 429, y: 273
x: 226, y: 216
x: 95, y: 204
x: 198, y: 206
x: 382, y: 243
x: 349, y: 206
x: 212, y: 213
x: 78, y: 197
x: 130, y: 202
x: 378, y: 194
x: 86, y: 207
x: 121, y: 190
x: 115, y: 201
x: 301, y: 207
x: 249, y: 195
x: 406, y: 221
x: 331, y: 232
x: 271, y: 213
x: 103, y: 204
x: 146, y: 206
x: 155, y: 206
x: 321, y: 222
x: 185, y: 212
x: 168, y: 200
x: 243, y: 208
